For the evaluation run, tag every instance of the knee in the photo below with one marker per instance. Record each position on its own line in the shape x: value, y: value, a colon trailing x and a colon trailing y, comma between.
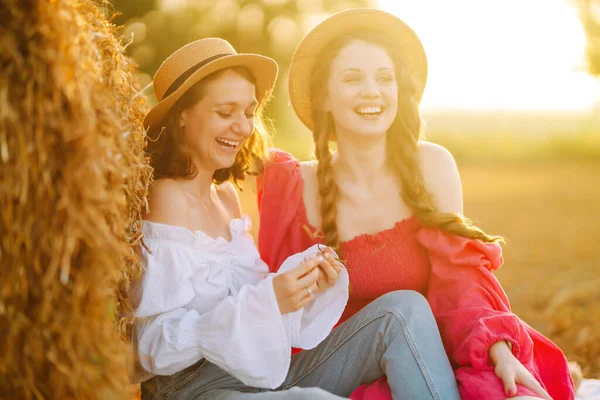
x: 408, y: 303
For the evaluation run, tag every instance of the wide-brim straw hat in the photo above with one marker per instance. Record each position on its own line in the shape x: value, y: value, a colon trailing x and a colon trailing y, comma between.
x: 193, y: 62
x: 345, y: 22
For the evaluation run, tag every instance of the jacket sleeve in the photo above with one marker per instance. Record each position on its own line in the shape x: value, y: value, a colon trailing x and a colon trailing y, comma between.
x: 282, y: 230
x: 473, y: 313
x: 468, y: 302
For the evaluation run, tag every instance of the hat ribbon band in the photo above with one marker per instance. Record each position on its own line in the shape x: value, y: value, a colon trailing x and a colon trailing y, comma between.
x: 183, y: 77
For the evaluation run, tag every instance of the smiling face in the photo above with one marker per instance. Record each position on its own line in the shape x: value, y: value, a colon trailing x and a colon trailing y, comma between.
x: 362, y: 90
x: 215, y: 128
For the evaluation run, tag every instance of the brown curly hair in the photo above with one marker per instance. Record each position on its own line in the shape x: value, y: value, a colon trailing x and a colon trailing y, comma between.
x: 402, y: 145
x: 169, y: 158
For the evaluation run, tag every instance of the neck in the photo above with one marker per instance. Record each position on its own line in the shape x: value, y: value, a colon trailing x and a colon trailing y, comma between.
x: 200, y: 186
x: 361, y: 160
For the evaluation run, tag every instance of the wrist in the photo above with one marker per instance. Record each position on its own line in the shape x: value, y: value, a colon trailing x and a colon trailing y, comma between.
x: 499, y: 351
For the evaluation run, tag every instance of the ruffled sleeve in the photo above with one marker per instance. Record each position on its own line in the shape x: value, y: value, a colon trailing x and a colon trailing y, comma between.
x: 313, y: 323
x: 205, y: 298
x: 473, y: 313
x: 173, y: 335
x: 283, y: 227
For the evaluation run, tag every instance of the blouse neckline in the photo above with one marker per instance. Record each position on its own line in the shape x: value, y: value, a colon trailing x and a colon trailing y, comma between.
x: 236, y: 227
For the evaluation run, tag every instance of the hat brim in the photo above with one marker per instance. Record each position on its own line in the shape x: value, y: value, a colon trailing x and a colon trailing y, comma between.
x: 305, y: 56
x: 263, y: 68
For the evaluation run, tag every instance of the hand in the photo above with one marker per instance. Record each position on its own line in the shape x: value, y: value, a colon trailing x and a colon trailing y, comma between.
x: 510, y: 370
x: 329, y: 269
x: 291, y: 287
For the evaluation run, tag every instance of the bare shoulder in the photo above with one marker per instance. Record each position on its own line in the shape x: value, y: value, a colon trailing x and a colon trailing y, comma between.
x: 309, y: 166
x: 168, y: 203
x: 230, y: 198
x: 441, y: 177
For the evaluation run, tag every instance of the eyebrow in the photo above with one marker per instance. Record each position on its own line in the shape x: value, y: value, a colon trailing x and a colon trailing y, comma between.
x: 234, y: 103
x: 359, y: 70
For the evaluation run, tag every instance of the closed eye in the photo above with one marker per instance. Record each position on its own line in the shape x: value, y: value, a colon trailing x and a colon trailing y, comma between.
x: 352, y: 79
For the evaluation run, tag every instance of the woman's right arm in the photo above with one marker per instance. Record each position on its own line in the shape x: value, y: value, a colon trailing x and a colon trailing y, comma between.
x: 248, y: 334
x: 173, y: 334
x: 229, y: 331
x: 230, y: 335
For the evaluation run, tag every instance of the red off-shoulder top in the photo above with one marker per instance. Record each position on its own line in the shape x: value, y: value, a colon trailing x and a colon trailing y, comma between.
x: 454, y: 273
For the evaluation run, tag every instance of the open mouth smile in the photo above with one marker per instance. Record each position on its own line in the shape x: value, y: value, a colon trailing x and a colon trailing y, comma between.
x: 370, y: 112
x: 227, y: 144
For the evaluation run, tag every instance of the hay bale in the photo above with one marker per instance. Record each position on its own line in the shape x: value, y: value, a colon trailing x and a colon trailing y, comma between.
x: 73, y: 182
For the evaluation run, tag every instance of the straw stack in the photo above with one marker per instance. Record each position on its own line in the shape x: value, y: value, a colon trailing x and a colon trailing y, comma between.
x: 73, y: 182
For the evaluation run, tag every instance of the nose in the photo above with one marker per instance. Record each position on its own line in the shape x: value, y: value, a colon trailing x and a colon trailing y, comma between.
x: 242, y: 126
x: 370, y: 88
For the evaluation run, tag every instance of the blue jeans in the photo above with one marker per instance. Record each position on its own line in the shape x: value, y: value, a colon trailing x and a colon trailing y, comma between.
x: 395, y: 335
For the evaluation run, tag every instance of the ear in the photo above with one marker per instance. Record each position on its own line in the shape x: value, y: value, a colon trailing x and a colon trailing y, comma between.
x: 183, y: 117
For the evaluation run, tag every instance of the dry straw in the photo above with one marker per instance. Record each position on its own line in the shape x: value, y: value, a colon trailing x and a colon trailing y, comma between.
x: 73, y: 179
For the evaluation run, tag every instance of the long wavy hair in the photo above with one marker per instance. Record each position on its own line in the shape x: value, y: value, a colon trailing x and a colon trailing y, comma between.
x: 169, y: 156
x: 402, y: 147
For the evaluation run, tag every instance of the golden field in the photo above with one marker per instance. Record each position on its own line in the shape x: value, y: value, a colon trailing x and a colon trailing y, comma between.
x: 549, y: 211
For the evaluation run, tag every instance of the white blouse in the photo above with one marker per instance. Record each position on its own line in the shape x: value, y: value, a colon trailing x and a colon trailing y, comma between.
x: 214, y: 299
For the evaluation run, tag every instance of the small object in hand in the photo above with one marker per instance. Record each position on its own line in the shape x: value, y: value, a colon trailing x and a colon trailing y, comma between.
x: 310, y: 293
x: 343, y: 262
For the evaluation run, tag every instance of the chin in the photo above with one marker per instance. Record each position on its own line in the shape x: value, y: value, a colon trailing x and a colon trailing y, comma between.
x: 371, y: 129
x: 225, y: 162
x: 371, y: 132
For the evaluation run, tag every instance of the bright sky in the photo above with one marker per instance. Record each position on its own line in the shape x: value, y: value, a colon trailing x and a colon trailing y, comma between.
x: 501, y: 54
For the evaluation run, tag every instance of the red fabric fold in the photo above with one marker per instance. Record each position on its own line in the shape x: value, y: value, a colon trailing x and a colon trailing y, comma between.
x: 280, y: 234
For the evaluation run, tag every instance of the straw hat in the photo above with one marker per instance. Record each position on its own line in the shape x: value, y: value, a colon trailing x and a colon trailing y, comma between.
x: 193, y: 62
x: 345, y: 22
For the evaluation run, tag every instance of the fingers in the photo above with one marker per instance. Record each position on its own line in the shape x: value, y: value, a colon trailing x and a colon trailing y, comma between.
x: 322, y: 283
x: 337, y: 265
x: 530, y: 382
x: 305, y: 294
x: 307, y: 280
x: 510, y: 386
x: 327, y: 266
x: 307, y: 266
x: 305, y: 301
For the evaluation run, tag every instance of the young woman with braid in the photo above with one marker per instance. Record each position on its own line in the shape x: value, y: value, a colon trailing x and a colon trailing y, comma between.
x: 391, y: 204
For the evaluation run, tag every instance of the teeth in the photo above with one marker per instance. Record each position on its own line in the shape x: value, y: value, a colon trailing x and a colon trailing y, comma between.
x: 370, y: 110
x: 228, y: 142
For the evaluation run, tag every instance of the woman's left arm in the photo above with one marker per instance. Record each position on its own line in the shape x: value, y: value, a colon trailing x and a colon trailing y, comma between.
x: 461, y: 279
x: 472, y: 310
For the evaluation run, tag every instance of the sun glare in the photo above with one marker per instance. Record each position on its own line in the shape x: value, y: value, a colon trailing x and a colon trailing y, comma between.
x: 501, y: 54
